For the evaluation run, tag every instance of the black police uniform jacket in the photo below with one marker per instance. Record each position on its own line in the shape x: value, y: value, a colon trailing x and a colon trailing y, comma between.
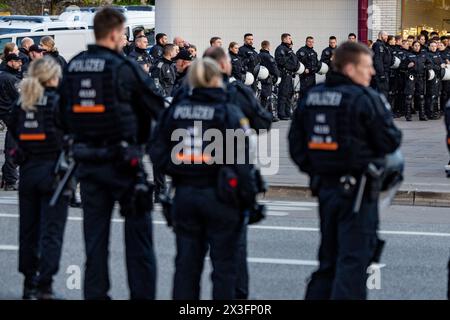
x: 340, y: 127
x: 421, y: 62
x: 9, y: 89
x: 269, y: 62
x: 237, y: 68
x: 165, y: 75
x: 141, y: 56
x: 327, y: 54
x: 382, y: 58
x: 58, y: 58
x: 435, y: 61
x: 156, y: 52
x: 106, y: 98
x: 286, y: 59
x: 308, y: 56
x: 241, y: 96
x: 250, y: 58
x: 39, y: 132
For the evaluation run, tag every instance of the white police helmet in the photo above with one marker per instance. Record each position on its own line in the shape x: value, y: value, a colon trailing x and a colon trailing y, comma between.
x: 232, y: 79
x: 431, y: 75
x: 301, y: 69
x: 395, y: 63
x: 278, y: 81
x: 249, y: 79
x: 263, y: 73
x: 445, y: 74
x: 323, y: 68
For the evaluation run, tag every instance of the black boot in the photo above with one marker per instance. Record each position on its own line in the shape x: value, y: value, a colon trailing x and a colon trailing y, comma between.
x: 29, y: 289
x: 408, y: 109
x: 421, y: 105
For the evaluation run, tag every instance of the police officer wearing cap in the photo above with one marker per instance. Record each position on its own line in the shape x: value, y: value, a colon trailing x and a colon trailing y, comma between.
x: 208, y: 195
x: 308, y: 56
x: 249, y: 57
x: 34, y: 124
x: 268, y: 61
x: 288, y: 64
x: 164, y: 72
x: 339, y: 128
x: 382, y: 60
x: 416, y: 66
x: 108, y: 108
x: 182, y: 62
x: 10, y: 76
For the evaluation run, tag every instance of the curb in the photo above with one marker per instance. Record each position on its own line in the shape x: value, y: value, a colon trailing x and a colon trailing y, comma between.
x: 403, y: 197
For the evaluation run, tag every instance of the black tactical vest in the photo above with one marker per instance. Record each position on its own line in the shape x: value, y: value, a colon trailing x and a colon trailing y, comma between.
x: 97, y: 114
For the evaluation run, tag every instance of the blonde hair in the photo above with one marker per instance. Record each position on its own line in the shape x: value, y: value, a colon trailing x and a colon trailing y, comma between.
x: 202, y: 73
x: 32, y: 87
x: 9, y: 48
x: 49, y: 42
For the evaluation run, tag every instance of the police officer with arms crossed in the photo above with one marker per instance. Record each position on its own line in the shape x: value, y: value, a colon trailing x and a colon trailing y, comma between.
x: 382, y: 61
x: 288, y: 64
x: 338, y: 129
x: 203, y: 211
x: 249, y: 57
x: 308, y: 56
x: 10, y: 77
x: 108, y: 108
x: 267, y: 85
x: 34, y: 123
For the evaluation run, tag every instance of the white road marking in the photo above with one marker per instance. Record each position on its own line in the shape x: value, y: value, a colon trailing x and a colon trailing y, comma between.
x: 6, y: 247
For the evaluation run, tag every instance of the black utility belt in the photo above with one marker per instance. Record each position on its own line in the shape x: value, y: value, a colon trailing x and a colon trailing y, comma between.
x: 89, y: 153
x: 198, y: 182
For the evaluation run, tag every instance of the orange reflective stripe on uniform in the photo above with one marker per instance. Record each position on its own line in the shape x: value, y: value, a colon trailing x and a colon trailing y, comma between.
x: 331, y: 146
x: 193, y: 158
x: 448, y: 141
x: 98, y: 108
x: 32, y: 137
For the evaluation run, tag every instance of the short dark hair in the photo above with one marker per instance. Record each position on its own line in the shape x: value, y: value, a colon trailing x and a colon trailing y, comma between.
x: 193, y: 46
x: 349, y: 53
x: 106, y: 20
x: 136, y: 31
x: 390, y: 37
x: 215, y: 53
x: 248, y: 35
x: 285, y: 35
x: 214, y: 39
x: 232, y: 44
x: 168, y: 48
x: 351, y: 35
x: 159, y: 36
x: 444, y: 38
x: 265, y: 44
x: 332, y: 38
x: 309, y: 38
x: 398, y: 37
x: 411, y: 37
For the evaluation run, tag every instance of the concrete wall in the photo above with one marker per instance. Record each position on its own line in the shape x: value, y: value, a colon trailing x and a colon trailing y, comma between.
x: 198, y: 20
x: 384, y: 15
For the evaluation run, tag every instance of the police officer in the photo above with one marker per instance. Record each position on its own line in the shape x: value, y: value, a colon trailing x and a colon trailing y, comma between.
x: 108, y: 108
x: 416, y: 65
x: 164, y: 72
x: 327, y: 53
x: 10, y: 77
x: 34, y: 123
x: 238, y: 70
x: 308, y: 56
x: 182, y: 64
x: 444, y: 51
x: 157, y: 51
x: 433, y: 83
x: 268, y: 61
x: 288, y: 64
x: 382, y: 60
x: 338, y: 129
x: 140, y: 53
x: 249, y: 57
x: 203, y: 213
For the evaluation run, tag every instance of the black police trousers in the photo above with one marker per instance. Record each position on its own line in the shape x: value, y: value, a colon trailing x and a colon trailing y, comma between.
x: 42, y: 227
x: 381, y: 84
x: 347, y: 246
x: 242, y: 280
x: 9, y: 168
x: 285, y: 93
x: 432, y: 97
x: 101, y: 186
x: 414, y: 90
x: 445, y: 95
x: 306, y: 83
x: 396, y: 86
x: 202, y: 221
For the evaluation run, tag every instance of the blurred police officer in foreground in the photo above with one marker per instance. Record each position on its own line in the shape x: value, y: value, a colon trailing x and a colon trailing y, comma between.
x: 444, y: 52
x: 204, y: 212
x: 34, y: 125
x: 10, y: 76
x: 382, y: 60
x: 268, y: 61
x: 288, y: 65
x: 308, y: 56
x: 108, y: 108
x: 259, y: 119
x: 339, y: 128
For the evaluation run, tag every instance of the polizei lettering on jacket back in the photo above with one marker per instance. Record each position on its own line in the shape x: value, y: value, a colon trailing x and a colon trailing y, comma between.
x: 185, y: 112
x: 88, y: 65
x: 326, y: 99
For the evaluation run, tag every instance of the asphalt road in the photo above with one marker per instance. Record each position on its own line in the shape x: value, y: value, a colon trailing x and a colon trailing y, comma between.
x: 282, y: 253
